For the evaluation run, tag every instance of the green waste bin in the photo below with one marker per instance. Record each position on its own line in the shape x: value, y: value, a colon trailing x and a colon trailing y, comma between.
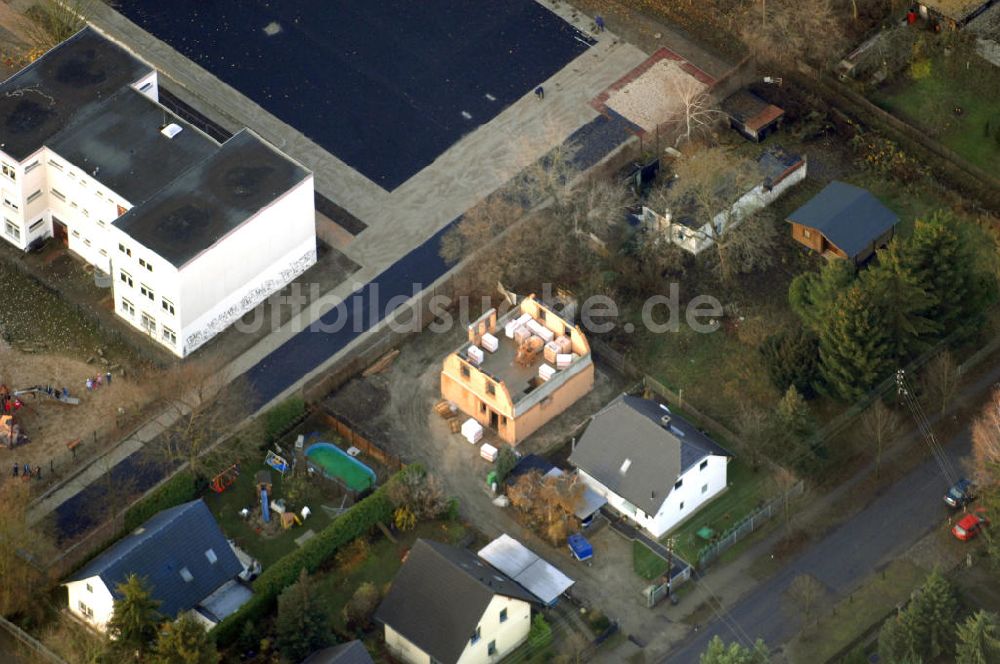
x: 491, y: 478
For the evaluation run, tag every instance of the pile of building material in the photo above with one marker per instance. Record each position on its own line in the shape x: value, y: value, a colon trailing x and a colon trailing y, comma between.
x: 546, y: 371
x: 490, y: 342
x: 476, y: 355
x: 472, y: 431
x: 489, y: 452
x: 446, y: 409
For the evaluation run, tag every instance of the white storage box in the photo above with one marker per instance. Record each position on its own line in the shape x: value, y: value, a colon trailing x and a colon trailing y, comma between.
x: 490, y: 342
x: 546, y: 371
x: 521, y: 335
x: 472, y: 431
x: 563, y: 360
x: 514, y: 323
x: 551, y: 350
x: 489, y: 452
x: 565, y: 345
x: 476, y: 355
x: 540, y: 330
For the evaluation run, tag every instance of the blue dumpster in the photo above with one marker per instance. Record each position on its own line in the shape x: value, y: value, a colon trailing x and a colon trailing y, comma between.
x: 580, y: 547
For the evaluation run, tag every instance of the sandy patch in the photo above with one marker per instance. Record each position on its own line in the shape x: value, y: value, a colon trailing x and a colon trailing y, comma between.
x: 654, y: 97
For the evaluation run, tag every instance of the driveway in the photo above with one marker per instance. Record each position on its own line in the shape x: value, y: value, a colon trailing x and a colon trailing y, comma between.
x: 884, y: 530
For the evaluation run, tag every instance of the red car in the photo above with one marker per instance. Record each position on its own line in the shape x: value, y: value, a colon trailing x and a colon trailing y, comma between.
x: 970, y: 525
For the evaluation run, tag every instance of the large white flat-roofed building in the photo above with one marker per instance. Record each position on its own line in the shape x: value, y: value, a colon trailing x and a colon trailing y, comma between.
x: 194, y: 233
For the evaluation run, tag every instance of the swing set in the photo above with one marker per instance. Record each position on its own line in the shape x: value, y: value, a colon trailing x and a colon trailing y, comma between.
x: 225, y: 479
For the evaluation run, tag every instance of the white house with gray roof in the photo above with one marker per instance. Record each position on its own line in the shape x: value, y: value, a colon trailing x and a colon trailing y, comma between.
x: 193, y: 233
x: 652, y: 466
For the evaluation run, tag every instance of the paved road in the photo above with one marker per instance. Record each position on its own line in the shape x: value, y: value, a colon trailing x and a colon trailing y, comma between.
x: 884, y: 530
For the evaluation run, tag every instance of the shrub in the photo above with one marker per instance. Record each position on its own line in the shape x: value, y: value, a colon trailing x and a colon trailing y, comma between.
x: 350, y: 525
x: 404, y: 518
x: 540, y: 635
x: 421, y: 493
x: 359, y: 609
x: 281, y: 417
x: 352, y: 555
x: 181, y: 488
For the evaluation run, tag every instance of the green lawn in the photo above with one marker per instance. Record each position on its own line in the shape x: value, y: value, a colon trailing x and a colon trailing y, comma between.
x: 747, y: 490
x: 929, y: 104
x: 645, y: 563
x: 227, y: 505
x: 336, y: 586
x: 835, y: 629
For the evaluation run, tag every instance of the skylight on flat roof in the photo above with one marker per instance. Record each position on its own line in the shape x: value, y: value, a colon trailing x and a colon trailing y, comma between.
x: 171, y: 130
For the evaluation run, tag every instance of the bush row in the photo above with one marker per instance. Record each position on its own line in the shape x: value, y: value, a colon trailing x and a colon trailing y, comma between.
x: 280, y: 418
x: 180, y: 488
x: 356, y: 521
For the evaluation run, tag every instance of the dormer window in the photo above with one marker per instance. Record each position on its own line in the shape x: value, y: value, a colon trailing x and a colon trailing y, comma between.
x: 186, y: 575
x: 474, y: 639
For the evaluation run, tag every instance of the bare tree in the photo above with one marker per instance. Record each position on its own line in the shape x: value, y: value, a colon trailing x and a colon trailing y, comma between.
x: 479, y: 226
x: 881, y: 425
x: 696, y: 109
x: 549, y: 504
x: 941, y: 379
x: 203, y: 407
x: 985, y: 462
x: 596, y: 205
x: 806, y: 592
x: 54, y: 21
x: 24, y: 552
x: 789, y: 33
x: 753, y: 426
x: 707, y: 184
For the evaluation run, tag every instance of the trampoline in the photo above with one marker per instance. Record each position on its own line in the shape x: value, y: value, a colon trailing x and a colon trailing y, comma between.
x: 336, y: 464
x: 386, y: 86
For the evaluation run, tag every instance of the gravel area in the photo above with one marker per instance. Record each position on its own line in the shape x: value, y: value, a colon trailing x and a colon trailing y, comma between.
x: 655, y: 96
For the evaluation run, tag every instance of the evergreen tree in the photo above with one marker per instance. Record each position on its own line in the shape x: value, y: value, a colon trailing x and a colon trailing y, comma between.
x: 793, y: 426
x: 718, y: 653
x: 184, y: 641
x: 893, y: 644
x: 134, y: 621
x: 979, y: 639
x: 944, y: 264
x: 906, y: 306
x: 792, y: 359
x: 929, y: 620
x: 855, y: 348
x: 813, y: 296
x: 303, y: 623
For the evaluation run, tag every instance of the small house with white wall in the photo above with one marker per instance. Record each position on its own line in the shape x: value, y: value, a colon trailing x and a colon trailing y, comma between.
x: 779, y: 171
x: 447, y: 606
x: 194, y: 233
x: 653, y: 467
x: 184, y: 557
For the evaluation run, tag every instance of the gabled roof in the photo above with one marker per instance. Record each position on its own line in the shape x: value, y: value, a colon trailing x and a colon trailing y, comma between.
x: 850, y: 217
x: 175, y: 539
x: 41, y: 99
x: 352, y: 652
x: 629, y: 435
x: 439, y: 596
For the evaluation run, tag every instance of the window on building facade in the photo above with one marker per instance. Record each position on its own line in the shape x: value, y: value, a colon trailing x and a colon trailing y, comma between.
x: 143, y: 263
x: 101, y: 223
x: 503, y: 615
x: 11, y: 204
x: 678, y: 484
x: 704, y: 465
x: 86, y: 610
x: 465, y: 371
x: 128, y: 308
x: 55, y: 164
x: 76, y: 234
x: 168, y: 306
x: 474, y: 639
x: 8, y: 170
x: 169, y: 336
x: 704, y: 488
x: 35, y: 226
x: 86, y: 241
x: 12, y: 230
x: 58, y: 194
x: 491, y: 649
x: 30, y: 167
x: 148, y: 322
x: 491, y: 388
x: 681, y: 505
x: 35, y: 196
x: 90, y: 588
x: 147, y: 291
x: 126, y: 278
x: 806, y: 234
x: 125, y: 250
x: 103, y: 253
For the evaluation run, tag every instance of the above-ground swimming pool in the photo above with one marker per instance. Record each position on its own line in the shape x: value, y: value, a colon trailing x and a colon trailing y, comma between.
x: 337, y: 464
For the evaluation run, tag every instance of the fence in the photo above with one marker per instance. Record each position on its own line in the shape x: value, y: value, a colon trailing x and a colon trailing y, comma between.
x: 749, y: 524
x: 30, y: 642
x: 339, y: 424
x: 620, y: 363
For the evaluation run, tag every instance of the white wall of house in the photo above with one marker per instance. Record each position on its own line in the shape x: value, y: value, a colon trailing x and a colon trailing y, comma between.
x: 187, y: 307
x: 504, y: 635
x: 696, y: 241
x: 91, y: 601
x: 263, y: 255
x: 699, y: 484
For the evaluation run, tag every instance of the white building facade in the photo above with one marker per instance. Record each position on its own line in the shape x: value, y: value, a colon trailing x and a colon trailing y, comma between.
x: 690, y: 491
x: 185, y: 227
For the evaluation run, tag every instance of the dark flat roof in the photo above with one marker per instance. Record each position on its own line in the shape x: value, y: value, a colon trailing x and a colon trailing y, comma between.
x: 44, y: 97
x: 212, y: 198
x: 118, y: 143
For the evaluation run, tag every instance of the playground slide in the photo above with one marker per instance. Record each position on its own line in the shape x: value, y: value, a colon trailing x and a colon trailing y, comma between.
x: 265, y: 508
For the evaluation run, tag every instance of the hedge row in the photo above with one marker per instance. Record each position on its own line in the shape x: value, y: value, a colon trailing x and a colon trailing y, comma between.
x: 356, y: 521
x: 278, y: 419
x: 181, y: 488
